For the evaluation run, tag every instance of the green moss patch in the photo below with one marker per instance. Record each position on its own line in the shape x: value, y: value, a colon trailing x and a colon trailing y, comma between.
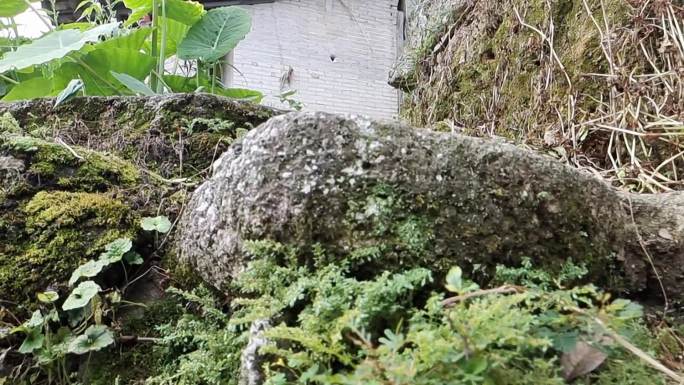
x: 55, y: 232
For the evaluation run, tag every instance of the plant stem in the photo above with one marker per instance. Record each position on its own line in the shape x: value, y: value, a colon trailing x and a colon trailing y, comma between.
x: 213, y: 77
x: 94, y: 73
x: 155, y: 35
x: 506, y: 289
x: 54, y: 13
x: 16, y: 33
x: 8, y: 79
x: 162, y: 47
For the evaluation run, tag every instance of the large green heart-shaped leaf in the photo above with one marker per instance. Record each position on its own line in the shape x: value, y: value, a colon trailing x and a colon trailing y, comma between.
x: 81, y: 295
x: 54, y: 45
x: 134, y: 85
x: 31, y: 89
x: 215, y: 35
x: 95, y: 338
x: 186, y: 12
x: 133, y: 40
x: 96, y: 67
x: 175, y: 33
x: 11, y: 8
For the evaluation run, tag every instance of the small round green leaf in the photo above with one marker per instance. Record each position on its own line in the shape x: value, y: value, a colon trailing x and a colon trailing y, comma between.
x: 81, y: 295
x: 36, y: 320
x: 116, y: 250
x: 33, y: 341
x: 88, y: 269
x: 159, y: 224
x: 95, y: 338
x: 48, y: 296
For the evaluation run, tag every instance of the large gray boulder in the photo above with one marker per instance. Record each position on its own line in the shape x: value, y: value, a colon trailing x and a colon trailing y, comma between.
x: 385, y: 195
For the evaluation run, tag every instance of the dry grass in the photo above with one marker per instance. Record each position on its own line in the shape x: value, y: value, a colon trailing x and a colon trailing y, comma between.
x: 597, y: 83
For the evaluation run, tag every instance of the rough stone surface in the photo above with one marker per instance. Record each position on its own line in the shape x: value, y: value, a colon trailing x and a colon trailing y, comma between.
x: 389, y: 195
x: 251, y: 372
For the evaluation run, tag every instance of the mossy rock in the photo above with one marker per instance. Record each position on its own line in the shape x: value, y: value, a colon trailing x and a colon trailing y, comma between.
x: 55, y: 232
x: 59, y: 206
x: 177, y: 135
x: 75, y: 177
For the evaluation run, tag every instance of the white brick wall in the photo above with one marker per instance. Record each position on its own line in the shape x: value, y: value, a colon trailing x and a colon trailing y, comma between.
x: 303, y: 35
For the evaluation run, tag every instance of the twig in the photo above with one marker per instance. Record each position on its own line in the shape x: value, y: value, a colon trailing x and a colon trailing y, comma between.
x: 135, y: 339
x: 505, y: 289
x: 655, y: 364
x: 648, y: 255
x: 73, y: 152
x: 549, y: 42
x: 178, y: 181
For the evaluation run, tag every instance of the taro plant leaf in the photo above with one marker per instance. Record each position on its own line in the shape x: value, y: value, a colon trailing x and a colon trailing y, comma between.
x: 94, y: 338
x: 134, y: 85
x: 31, y: 89
x: 581, y: 360
x: 33, y: 341
x: 115, y: 250
x: 215, y: 35
x: 240, y: 94
x: 175, y: 33
x: 186, y: 12
x: 95, y: 69
x: 81, y: 295
x: 74, y: 86
x: 88, y: 269
x: 133, y: 258
x: 185, y: 84
x: 54, y: 45
x: 11, y: 8
x: 80, y: 25
x: 454, y: 280
x: 133, y: 40
x: 48, y: 296
x: 160, y: 224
